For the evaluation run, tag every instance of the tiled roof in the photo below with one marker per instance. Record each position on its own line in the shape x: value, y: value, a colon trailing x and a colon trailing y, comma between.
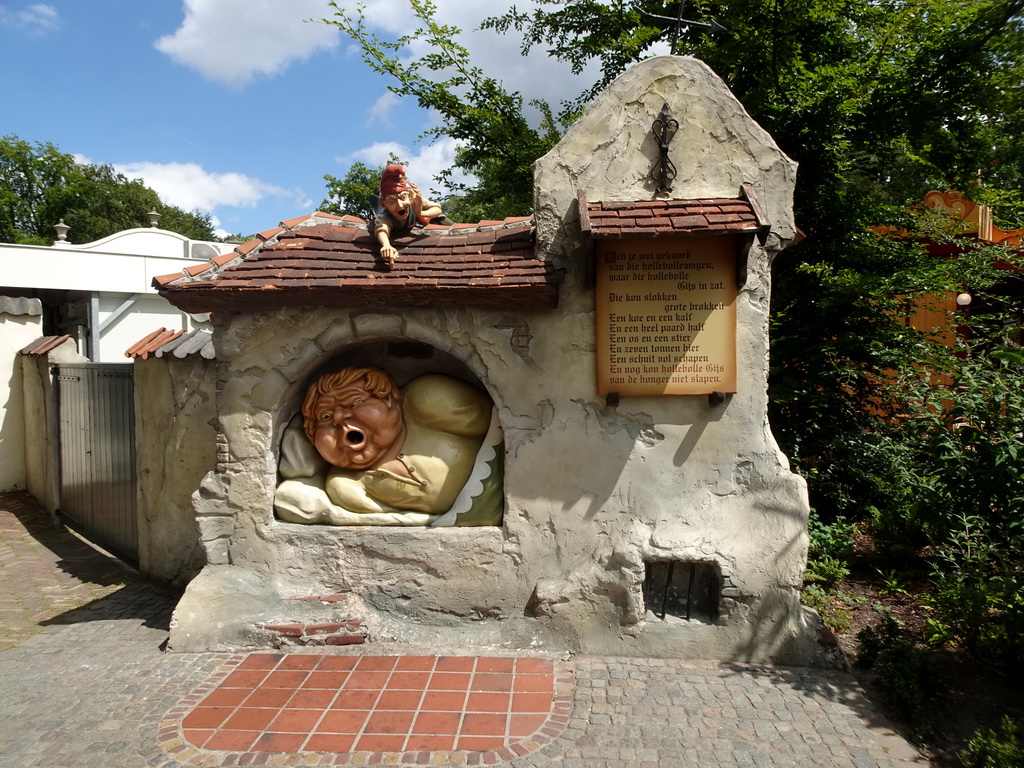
x: 660, y: 218
x: 324, y: 259
x: 179, y: 343
x: 43, y: 346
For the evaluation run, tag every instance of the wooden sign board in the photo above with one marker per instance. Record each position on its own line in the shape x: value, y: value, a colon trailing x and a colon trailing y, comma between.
x: 666, y: 316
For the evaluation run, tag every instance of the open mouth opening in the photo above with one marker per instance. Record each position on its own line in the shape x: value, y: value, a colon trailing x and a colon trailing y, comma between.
x: 354, y: 438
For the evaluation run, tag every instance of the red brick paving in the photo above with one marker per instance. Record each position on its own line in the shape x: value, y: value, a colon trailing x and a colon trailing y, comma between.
x: 271, y: 702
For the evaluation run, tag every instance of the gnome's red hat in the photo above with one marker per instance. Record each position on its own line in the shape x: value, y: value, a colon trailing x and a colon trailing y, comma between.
x: 393, y: 180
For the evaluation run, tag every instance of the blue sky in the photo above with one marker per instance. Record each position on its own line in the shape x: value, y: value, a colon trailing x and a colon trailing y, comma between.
x: 236, y: 108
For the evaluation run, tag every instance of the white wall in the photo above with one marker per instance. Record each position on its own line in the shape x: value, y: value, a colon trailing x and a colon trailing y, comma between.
x: 145, y: 314
x: 125, y: 262
x: 118, y: 269
x: 16, y: 332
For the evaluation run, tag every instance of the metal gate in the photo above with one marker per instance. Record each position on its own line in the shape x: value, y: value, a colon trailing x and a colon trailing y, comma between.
x: 96, y: 417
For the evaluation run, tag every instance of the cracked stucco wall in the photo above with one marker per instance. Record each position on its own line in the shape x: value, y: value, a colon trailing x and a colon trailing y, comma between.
x: 175, y: 431
x: 592, y: 491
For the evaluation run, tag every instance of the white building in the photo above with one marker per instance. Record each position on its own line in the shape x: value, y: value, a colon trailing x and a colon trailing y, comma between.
x: 100, y: 293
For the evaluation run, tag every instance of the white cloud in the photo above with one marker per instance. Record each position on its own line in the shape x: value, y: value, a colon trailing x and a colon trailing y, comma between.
x: 35, y: 19
x: 190, y: 187
x: 536, y: 75
x: 380, y: 112
x: 233, y: 41
x: 422, y: 167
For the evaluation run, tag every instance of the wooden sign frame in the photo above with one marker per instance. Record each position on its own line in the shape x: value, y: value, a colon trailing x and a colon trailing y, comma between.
x: 666, y: 315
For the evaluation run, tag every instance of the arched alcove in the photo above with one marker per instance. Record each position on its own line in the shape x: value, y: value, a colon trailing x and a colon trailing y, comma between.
x: 404, y: 359
x: 430, y: 452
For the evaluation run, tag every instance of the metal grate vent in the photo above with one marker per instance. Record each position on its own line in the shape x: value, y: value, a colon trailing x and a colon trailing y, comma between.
x: 684, y: 589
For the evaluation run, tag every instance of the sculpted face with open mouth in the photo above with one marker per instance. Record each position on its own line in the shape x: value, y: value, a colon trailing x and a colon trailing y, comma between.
x: 399, y: 204
x: 355, y: 425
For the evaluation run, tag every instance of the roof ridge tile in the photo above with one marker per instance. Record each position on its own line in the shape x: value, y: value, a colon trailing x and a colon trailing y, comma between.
x: 195, y: 269
x: 248, y: 246
x: 270, y: 234
x: 138, y: 348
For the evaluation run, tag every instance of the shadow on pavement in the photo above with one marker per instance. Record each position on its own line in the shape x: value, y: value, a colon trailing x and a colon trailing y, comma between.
x: 142, y: 601
x: 138, y: 599
x: 839, y: 688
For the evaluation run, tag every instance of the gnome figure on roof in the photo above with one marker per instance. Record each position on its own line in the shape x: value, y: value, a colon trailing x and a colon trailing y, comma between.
x: 400, y: 208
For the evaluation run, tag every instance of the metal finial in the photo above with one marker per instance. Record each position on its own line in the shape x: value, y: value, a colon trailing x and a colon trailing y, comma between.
x: 664, y: 129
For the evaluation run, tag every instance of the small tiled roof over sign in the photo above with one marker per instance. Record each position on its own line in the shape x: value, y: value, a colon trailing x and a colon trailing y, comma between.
x: 660, y: 218
x: 327, y: 260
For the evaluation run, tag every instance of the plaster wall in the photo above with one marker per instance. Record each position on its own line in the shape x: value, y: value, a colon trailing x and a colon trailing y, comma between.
x: 593, y: 492
x: 16, y: 332
x: 175, y: 434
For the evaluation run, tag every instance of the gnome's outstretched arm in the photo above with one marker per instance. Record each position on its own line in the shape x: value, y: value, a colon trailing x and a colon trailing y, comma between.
x: 388, y: 252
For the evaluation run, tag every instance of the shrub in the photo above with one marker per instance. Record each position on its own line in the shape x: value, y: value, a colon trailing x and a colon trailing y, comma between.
x: 831, y: 545
x: 979, y: 592
x: 909, y: 682
x: 830, y: 539
x: 994, y: 749
x: 873, y: 640
x: 905, y: 676
x: 970, y: 434
x: 826, y: 571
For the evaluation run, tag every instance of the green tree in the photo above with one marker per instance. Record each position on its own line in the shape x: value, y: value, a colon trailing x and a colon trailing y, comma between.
x: 192, y: 224
x: 496, y: 141
x: 40, y: 185
x: 351, y: 194
x: 879, y: 102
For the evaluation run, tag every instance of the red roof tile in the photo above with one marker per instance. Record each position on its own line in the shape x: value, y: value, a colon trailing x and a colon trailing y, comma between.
x: 225, y: 258
x: 178, y: 343
x: 269, y: 234
x: 152, y: 343
x: 659, y: 218
x: 323, y: 259
x: 43, y: 346
x: 248, y: 246
x: 195, y: 269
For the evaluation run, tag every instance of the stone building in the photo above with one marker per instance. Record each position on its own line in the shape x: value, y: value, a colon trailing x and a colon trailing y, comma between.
x: 666, y: 524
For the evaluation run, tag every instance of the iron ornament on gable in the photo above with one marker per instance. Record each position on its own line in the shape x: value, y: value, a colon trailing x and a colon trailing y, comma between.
x: 664, y: 129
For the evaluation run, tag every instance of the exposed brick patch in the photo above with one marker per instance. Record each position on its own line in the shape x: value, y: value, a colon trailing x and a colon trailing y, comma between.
x: 291, y: 633
x: 344, y: 640
x: 291, y: 630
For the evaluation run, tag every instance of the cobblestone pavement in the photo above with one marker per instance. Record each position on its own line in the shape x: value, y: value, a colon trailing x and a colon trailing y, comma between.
x: 84, y: 681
